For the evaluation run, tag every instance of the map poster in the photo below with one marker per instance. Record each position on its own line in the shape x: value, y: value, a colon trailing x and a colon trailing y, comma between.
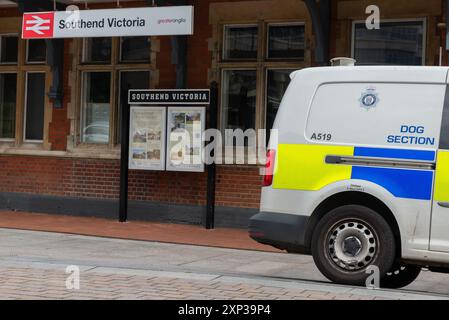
x: 147, y: 138
x: 184, y: 138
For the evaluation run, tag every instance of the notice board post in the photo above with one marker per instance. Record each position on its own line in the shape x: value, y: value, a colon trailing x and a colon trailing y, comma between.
x: 124, y: 155
x: 209, y: 219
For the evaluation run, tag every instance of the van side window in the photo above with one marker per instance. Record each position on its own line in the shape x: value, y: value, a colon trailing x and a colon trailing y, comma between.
x: 394, y: 115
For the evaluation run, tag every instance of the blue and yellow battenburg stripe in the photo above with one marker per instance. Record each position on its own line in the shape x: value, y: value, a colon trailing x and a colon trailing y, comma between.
x: 303, y: 167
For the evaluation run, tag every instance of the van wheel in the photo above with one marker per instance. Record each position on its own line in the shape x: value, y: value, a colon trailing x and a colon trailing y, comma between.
x: 400, y: 276
x: 348, y: 240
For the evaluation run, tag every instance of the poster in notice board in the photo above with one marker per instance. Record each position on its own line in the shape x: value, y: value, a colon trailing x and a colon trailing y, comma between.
x: 184, y: 138
x: 147, y: 138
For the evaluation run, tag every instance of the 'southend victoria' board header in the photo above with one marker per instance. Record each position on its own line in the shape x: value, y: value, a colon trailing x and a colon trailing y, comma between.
x: 145, y: 21
x: 169, y: 97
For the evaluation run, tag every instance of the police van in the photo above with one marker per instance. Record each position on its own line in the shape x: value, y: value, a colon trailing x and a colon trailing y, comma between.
x: 358, y: 175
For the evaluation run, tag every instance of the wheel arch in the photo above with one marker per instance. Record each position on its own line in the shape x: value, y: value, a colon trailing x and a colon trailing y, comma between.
x: 351, y: 198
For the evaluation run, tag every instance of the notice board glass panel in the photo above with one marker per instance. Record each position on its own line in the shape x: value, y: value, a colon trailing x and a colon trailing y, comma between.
x: 184, y: 138
x: 147, y: 138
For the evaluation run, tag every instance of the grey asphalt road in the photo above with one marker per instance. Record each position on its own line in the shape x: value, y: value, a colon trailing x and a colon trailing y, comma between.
x: 30, y: 248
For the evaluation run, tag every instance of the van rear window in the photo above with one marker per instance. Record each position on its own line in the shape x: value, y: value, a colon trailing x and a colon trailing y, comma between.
x: 380, y: 114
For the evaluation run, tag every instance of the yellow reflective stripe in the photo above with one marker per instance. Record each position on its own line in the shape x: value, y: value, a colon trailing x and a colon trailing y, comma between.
x: 441, y: 189
x: 303, y: 167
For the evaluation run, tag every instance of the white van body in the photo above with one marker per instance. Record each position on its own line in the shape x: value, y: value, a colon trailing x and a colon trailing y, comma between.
x: 374, y: 136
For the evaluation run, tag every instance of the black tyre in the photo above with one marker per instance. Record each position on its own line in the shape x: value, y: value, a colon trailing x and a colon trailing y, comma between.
x: 400, y: 276
x: 348, y: 240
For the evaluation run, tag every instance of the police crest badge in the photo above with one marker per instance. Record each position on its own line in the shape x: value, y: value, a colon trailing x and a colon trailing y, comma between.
x: 369, y: 98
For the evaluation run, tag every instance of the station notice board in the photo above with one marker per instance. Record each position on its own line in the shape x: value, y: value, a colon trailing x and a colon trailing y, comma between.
x: 166, y: 129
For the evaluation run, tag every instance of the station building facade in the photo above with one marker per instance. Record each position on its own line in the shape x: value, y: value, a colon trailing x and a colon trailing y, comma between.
x: 65, y: 159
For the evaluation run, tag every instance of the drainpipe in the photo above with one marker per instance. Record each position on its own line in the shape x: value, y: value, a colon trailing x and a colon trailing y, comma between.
x: 320, y: 15
x: 446, y: 18
x: 179, y: 59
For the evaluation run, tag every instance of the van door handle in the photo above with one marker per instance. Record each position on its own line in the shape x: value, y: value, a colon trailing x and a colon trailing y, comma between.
x: 333, y: 159
x: 443, y: 204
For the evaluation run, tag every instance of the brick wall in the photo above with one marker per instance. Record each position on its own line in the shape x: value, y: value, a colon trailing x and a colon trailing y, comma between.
x: 237, y: 186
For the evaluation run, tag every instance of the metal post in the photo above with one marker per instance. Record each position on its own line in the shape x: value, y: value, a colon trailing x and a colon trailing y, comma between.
x: 209, y: 221
x: 123, y: 205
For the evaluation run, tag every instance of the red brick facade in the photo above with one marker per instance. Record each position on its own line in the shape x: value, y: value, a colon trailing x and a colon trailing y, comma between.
x: 94, y: 178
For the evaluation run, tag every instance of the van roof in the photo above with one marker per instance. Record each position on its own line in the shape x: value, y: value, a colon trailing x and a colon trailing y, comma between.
x: 421, y: 74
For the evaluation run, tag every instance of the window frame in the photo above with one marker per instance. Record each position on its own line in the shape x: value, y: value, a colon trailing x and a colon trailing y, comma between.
x: 425, y: 33
x: 20, y: 68
x: 222, y: 118
x: 119, y: 78
x: 223, y: 44
x: 18, y: 49
x: 119, y: 84
x: 83, y: 105
x: 120, y: 59
x: 84, y: 53
x: 283, y: 24
x: 25, y: 101
x: 114, y: 66
x: 15, y: 116
x: 26, y: 53
x: 261, y: 64
x: 266, y: 91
